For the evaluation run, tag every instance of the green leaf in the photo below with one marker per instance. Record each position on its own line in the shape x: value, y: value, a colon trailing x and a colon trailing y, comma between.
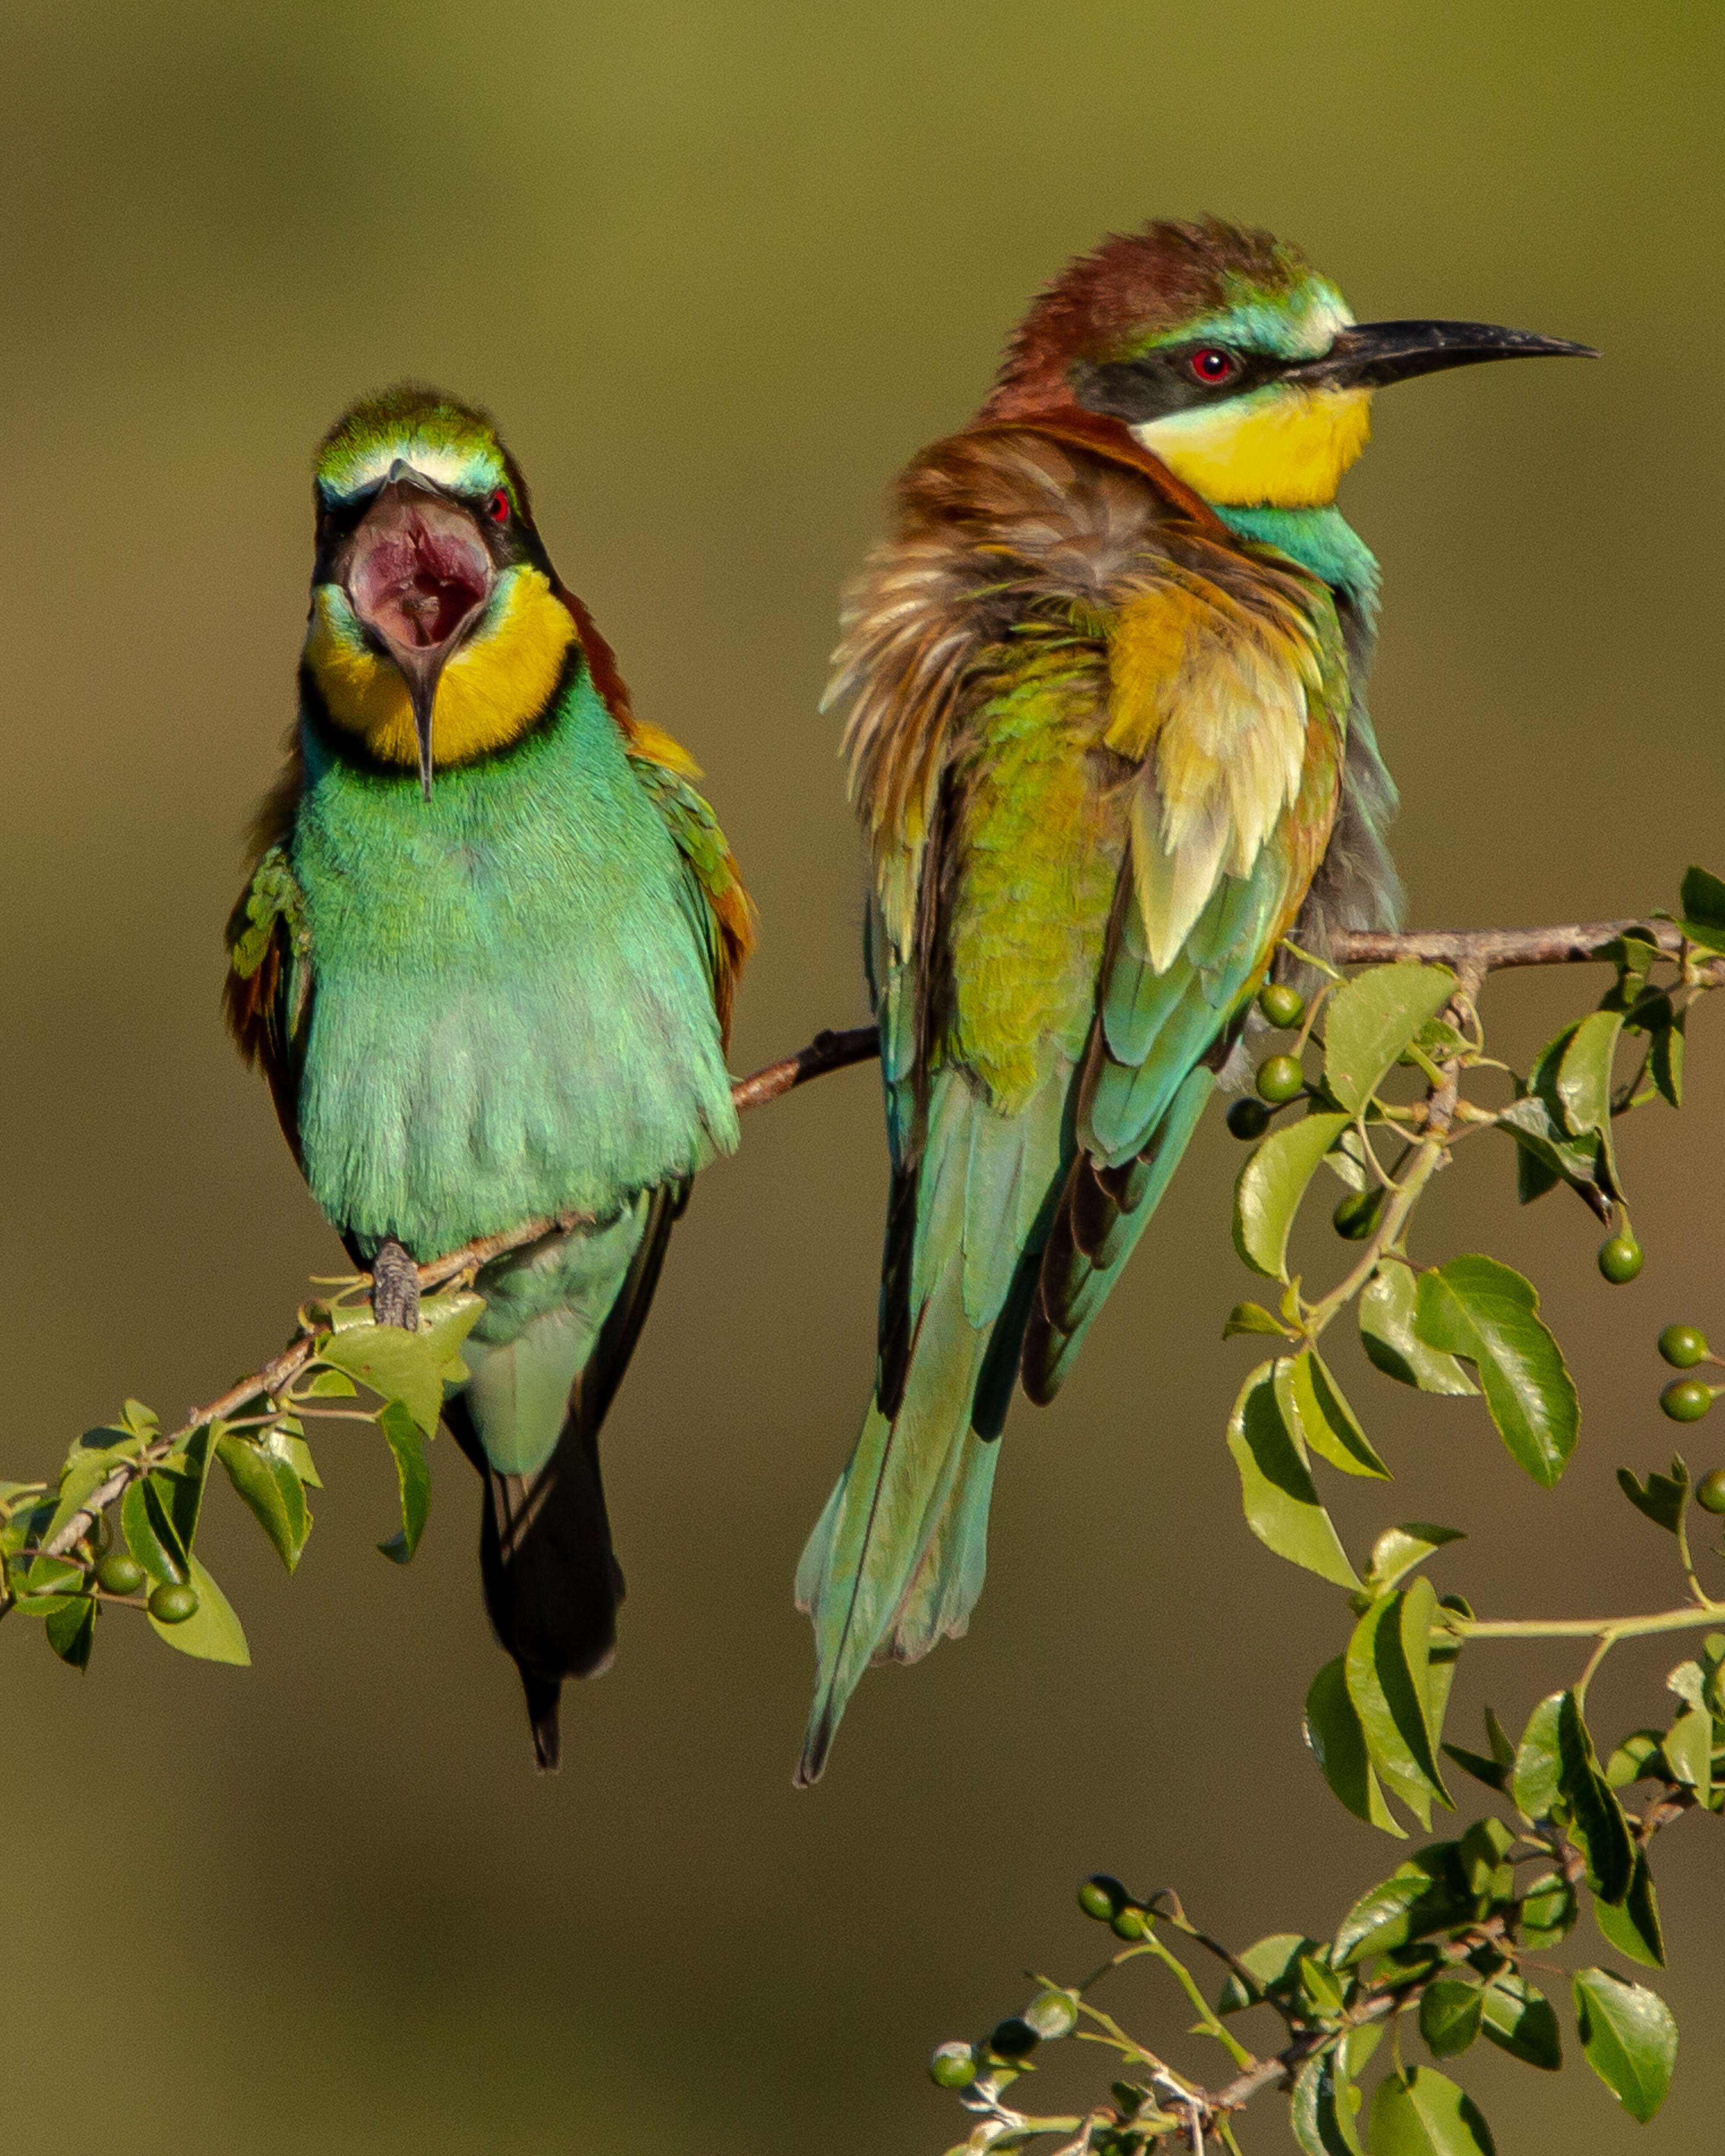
x: 1270, y: 1186
x: 183, y: 1480
x: 289, y: 1446
x: 412, y: 1367
x: 1633, y: 1926
x: 212, y: 1634
x: 146, y: 1522
x: 1538, y: 1768
x: 1251, y: 1318
x: 1422, y: 2112
x: 1398, y: 1550
x: 1629, y: 2038
x: 1480, y: 1853
x: 1475, y: 1307
x: 1388, y: 1664
x: 402, y: 1427
x: 1277, y: 1489
x: 1585, y: 1073
x: 1703, y: 901
x: 270, y: 1487
x: 1370, y: 1022
x: 330, y: 1385
x: 1320, y: 1993
x: 1663, y: 1499
x: 1640, y: 1758
x: 1312, y: 1402
x: 71, y: 1630
x: 1522, y: 2021
x: 1422, y: 1897
x: 1386, y: 1331
x: 1550, y: 1151
x: 1450, y: 2010
x: 1597, y: 1825
x: 52, y: 1575
x: 1688, y: 1748
x: 1323, y: 2107
x: 1339, y: 1744
x: 1273, y: 1965
x: 1492, y: 1768
x: 1549, y: 1910
x: 1665, y: 1063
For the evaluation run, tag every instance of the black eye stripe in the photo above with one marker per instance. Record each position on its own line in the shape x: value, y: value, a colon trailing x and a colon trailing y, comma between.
x: 1169, y: 379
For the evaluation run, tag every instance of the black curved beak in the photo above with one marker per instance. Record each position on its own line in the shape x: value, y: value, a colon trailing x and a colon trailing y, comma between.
x: 1373, y: 353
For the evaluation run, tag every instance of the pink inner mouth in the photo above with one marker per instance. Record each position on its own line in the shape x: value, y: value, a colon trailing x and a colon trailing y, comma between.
x: 419, y: 570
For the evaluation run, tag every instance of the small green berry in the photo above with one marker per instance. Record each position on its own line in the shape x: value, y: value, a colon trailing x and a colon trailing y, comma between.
x: 1619, y: 1259
x: 1131, y: 1923
x: 1687, y: 1399
x: 1710, y: 1491
x: 1053, y: 2013
x: 1283, y: 1005
x: 1281, y: 1078
x: 1011, y: 2038
x: 1102, y: 1896
x: 1356, y: 1214
x: 1248, y: 1118
x: 953, y: 2067
x: 172, y: 1604
x: 119, y: 1574
x: 1683, y: 1346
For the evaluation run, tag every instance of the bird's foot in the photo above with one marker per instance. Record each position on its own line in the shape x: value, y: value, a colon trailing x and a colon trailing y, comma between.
x: 395, y: 1287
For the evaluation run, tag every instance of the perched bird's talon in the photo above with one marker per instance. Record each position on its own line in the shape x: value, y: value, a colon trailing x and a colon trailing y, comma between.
x: 395, y: 1287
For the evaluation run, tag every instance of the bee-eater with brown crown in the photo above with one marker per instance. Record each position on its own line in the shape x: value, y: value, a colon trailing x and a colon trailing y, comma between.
x: 1108, y: 743
x: 486, y: 959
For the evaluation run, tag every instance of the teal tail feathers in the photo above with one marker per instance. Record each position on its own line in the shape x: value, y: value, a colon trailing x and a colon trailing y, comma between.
x: 530, y: 1419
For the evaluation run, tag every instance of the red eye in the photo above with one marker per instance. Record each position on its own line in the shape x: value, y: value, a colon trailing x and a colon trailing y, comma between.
x: 498, y: 507
x: 1212, y: 365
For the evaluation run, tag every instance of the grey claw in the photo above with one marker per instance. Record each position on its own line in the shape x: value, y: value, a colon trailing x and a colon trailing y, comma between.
x: 395, y: 1287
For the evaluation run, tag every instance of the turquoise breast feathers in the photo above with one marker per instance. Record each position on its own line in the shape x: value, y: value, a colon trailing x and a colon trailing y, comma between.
x: 513, y: 1012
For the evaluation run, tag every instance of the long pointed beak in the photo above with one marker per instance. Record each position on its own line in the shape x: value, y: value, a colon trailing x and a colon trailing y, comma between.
x: 1373, y: 353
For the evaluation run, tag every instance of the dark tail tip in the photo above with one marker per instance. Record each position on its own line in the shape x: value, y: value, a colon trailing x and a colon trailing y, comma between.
x: 543, y: 1695
x: 813, y: 1765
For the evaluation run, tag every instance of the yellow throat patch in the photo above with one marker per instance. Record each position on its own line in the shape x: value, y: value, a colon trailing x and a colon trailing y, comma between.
x: 1284, y: 449
x: 492, y: 691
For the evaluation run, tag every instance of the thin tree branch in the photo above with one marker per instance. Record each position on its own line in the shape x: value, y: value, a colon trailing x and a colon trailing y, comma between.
x: 1492, y: 949
x: 828, y: 1051
x: 1473, y: 952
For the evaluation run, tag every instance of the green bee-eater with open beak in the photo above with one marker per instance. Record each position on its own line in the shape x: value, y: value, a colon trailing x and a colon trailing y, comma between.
x: 1108, y: 742
x: 486, y: 959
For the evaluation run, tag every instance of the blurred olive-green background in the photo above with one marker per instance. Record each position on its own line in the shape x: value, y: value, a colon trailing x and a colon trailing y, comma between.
x: 720, y: 269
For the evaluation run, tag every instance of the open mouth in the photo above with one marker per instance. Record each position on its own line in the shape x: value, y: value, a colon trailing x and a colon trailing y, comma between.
x: 419, y: 576
x: 419, y: 570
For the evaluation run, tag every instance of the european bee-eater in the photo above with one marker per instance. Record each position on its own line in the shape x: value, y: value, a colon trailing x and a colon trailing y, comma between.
x: 500, y: 932
x: 1108, y: 743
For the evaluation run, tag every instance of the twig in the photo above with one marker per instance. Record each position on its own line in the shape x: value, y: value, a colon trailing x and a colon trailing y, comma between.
x: 1473, y: 951
x: 827, y: 1052
x: 1492, y: 949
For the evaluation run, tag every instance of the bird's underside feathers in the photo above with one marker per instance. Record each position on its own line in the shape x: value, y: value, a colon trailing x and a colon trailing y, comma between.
x: 1097, y: 744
